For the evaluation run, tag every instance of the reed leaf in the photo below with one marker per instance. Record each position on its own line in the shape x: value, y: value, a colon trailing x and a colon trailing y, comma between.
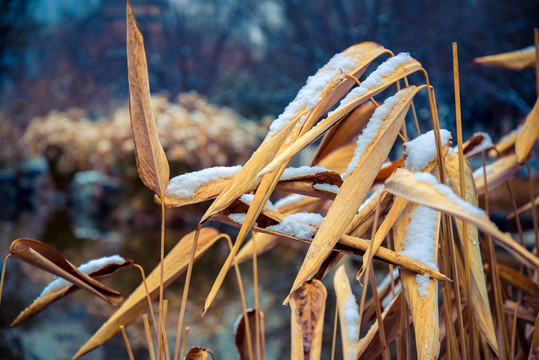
x: 175, y: 263
x: 46, y: 258
x: 152, y: 162
x: 348, y: 314
x: 515, y: 60
x: 355, y: 187
x: 506, y: 143
x: 307, y: 304
x: 529, y: 133
x: 516, y: 279
x: 241, y: 336
x: 42, y: 302
x: 481, y: 306
x: 498, y: 172
x: 426, y: 191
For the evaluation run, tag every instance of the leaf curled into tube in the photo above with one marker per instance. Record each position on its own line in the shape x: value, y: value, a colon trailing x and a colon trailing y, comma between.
x: 198, y: 353
x: 241, y: 338
x: 46, y: 258
x: 152, y: 163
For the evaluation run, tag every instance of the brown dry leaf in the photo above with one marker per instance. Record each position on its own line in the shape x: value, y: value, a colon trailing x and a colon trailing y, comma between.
x: 479, y: 142
x: 481, y: 306
x: 428, y: 192
x: 506, y: 143
x: 198, y: 353
x: 241, y: 337
x: 528, y: 135
x: 308, y: 305
x: 498, y: 173
x: 515, y: 60
x: 175, y: 263
x: 46, y: 258
x: 370, y: 346
x: 355, y: 187
x: 516, y: 279
x: 152, y: 163
x: 348, y: 314
x: 345, y: 132
x: 423, y: 305
x: 42, y: 302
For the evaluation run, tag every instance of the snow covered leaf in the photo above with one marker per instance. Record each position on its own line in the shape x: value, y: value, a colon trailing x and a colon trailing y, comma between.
x: 198, y: 353
x: 308, y: 305
x: 175, y: 263
x: 416, y: 234
x: 370, y: 345
x: 528, y: 135
x: 386, y: 74
x: 348, y: 314
x: 481, y: 306
x: 345, y: 132
x: 515, y: 60
x: 152, y: 162
x: 425, y: 189
x: 97, y: 269
x: 498, y: 172
x: 46, y: 258
x: 374, y: 145
x: 241, y: 337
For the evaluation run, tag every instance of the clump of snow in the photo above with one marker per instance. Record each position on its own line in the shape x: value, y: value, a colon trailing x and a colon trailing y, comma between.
x: 289, y: 200
x: 248, y: 199
x: 419, y: 152
x: 185, y: 185
x: 419, y: 243
x: 327, y: 187
x: 447, y: 191
x: 302, y: 225
x: 375, y: 79
x: 292, y: 172
x: 239, y: 217
x: 310, y: 95
x: 371, y: 130
x: 351, y: 319
x: 87, y: 268
x: 423, y: 282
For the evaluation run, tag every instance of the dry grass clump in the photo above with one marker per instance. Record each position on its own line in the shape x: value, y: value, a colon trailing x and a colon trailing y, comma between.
x: 194, y: 133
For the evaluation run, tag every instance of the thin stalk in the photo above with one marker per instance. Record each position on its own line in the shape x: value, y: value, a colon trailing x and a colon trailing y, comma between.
x: 243, y: 301
x: 165, y: 338
x: 255, y: 281
x: 514, y: 330
x: 148, y: 336
x: 3, y: 276
x: 187, y: 328
x: 185, y: 293
x: 127, y: 345
x: 406, y: 350
x: 334, y: 340
x: 149, y: 299
x: 381, y: 330
x: 536, y: 42
x: 462, y: 181
x: 494, y: 275
x: 515, y: 211
x: 161, y: 277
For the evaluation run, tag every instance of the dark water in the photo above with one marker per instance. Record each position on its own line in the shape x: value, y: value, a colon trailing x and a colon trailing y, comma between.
x: 94, y: 216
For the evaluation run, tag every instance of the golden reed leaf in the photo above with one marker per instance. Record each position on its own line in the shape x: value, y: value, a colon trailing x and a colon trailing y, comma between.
x: 175, y: 263
x: 498, y: 172
x: 529, y: 133
x: 347, y: 305
x: 308, y: 305
x: 515, y: 60
x: 152, y: 163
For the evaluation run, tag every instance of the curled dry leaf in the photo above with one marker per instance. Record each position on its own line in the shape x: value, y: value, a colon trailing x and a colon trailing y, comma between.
x: 42, y: 302
x: 528, y: 135
x: 498, y: 172
x: 515, y: 60
x: 241, y: 338
x: 479, y: 142
x: 198, y: 353
x: 46, y: 258
x: 427, y: 191
x: 481, y: 306
x: 355, y: 187
x: 174, y: 265
x: 307, y: 304
x: 152, y: 163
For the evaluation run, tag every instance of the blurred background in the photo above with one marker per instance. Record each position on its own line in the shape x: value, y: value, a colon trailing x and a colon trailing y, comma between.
x: 220, y: 71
